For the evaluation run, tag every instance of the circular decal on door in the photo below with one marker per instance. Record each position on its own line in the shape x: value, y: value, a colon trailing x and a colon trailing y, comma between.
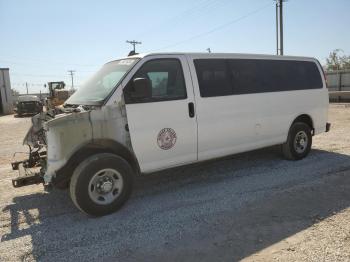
x: 166, y: 138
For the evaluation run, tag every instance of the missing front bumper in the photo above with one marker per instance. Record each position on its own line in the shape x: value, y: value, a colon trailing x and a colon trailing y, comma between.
x: 27, y: 179
x: 30, y: 170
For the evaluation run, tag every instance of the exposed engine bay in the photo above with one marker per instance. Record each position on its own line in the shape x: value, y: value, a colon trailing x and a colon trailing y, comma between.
x: 56, y: 135
x: 36, y: 141
x: 32, y: 170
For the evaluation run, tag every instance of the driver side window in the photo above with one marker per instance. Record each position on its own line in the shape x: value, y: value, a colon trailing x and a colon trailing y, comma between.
x: 165, y: 78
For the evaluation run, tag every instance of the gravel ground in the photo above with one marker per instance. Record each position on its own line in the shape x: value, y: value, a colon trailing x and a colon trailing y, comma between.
x: 252, y: 207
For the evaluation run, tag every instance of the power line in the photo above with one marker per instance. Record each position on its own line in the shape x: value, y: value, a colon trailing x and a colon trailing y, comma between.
x: 189, y: 12
x: 39, y: 75
x: 201, y: 11
x: 49, y: 75
x: 29, y: 84
x: 198, y: 7
x: 194, y: 9
x: 214, y: 29
x: 47, y: 63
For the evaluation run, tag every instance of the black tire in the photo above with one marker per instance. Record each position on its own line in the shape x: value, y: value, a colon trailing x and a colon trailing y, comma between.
x: 290, y: 149
x: 83, y: 175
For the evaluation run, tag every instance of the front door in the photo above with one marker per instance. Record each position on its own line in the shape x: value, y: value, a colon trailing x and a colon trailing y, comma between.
x: 162, y: 124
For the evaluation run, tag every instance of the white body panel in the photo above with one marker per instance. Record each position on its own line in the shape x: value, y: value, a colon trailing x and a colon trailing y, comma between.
x: 238, y: 123
x: 255, y: 120
x: 223, y: 125
x: 146, y: 120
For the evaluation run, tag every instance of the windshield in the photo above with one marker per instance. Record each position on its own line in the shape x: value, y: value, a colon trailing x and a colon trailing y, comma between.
x: 97, y: 88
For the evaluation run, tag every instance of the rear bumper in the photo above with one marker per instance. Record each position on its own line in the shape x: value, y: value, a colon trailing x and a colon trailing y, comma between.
x: 328, y: 127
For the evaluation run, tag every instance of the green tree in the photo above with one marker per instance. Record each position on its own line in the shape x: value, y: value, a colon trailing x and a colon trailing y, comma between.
x: 336, y: 61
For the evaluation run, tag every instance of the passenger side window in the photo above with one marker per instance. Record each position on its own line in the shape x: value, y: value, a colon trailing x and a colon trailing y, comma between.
x: 222, y: 77
x: 259, y: 76
x: 213, y: 77
x: 248, y: 76
x: 166, y: 80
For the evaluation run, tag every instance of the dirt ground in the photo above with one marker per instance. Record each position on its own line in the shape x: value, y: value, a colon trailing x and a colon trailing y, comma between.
x: 253, y: 207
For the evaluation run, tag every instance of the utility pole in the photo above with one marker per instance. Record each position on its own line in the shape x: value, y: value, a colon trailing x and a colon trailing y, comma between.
x: 279, y: 26
x: 27, y: 87
x: 134, y: 43
x: 209, y: 50
x: 71, y: 72
x: 277, y: 42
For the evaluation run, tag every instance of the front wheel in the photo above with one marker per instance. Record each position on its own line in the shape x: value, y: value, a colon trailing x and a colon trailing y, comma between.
x: 101, y: 184
x: 299, y: 142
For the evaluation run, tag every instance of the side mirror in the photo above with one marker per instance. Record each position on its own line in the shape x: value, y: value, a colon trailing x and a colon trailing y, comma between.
x: 142, y: 88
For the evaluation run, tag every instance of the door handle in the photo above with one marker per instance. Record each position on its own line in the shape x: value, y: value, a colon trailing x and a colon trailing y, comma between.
x: 191, y: 109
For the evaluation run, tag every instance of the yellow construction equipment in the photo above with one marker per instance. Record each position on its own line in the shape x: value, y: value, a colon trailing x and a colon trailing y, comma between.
x: 57, y: 94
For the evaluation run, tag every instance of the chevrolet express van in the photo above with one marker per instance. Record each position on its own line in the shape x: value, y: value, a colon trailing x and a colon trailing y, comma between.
x: 151, y: 112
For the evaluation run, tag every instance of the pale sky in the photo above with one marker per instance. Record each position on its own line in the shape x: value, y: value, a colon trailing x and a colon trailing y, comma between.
x: 41, y: 40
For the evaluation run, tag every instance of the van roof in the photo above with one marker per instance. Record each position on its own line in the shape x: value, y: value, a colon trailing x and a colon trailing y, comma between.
x: 224, y: 55
x: 203, y: 55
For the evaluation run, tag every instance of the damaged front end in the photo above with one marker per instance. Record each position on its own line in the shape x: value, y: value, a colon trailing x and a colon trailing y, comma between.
x: 32, y: 170
x: 58, y: 142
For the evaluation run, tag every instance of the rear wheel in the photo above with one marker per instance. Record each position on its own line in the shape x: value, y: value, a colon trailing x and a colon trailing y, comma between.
x: 299, y: 142
x: 101, y: 184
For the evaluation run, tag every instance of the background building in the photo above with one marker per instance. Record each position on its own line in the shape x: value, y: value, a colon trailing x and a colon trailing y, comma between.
x: 6, y: 102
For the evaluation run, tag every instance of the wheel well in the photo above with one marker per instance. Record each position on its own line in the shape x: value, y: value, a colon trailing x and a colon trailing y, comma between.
x: 63, y: 175
x: 305, y: 119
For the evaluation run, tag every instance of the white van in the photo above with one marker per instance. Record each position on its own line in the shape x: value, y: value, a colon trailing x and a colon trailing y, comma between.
x: 146, y: 113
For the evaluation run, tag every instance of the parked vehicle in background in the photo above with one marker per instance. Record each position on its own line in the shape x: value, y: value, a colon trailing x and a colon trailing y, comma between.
x: 28, y: 104
x: 57, y: 94
x: 152, y: 112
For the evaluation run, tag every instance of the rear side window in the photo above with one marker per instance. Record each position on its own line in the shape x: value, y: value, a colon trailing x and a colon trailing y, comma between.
x: 220, y: 77
x: 213, y: 77
x: 258, y: 76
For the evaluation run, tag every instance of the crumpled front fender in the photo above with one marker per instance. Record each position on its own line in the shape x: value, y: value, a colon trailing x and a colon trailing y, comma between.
x: 64, y: 135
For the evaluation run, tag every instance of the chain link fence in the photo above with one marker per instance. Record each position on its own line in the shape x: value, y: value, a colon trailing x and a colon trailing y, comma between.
x: 338, y: 85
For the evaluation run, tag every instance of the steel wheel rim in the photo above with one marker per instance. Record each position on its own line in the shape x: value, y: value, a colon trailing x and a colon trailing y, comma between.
x: 300, y: 142
x: 105, y: 186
